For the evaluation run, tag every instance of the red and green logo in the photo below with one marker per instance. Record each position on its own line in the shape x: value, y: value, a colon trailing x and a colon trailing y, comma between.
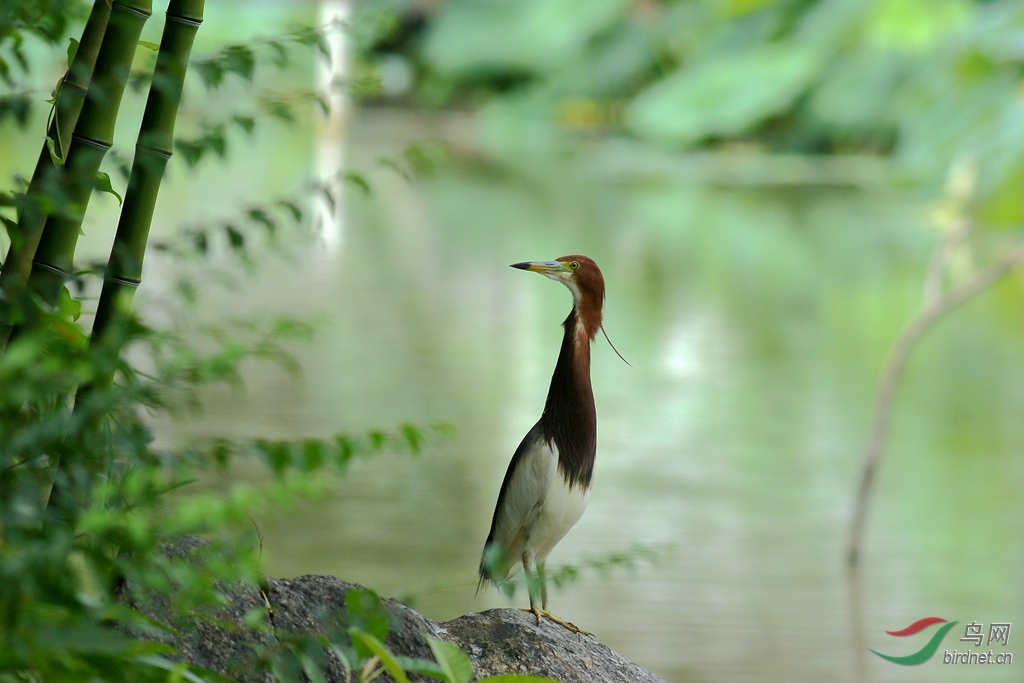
x: 926, y: 652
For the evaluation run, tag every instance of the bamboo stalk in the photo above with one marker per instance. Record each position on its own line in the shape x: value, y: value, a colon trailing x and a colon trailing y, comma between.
x: 32, y: 213
x: 92, y: 137
x: 124, y: 268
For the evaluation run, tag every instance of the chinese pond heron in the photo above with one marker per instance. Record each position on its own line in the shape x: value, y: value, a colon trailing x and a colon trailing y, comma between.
x: 547, y: 484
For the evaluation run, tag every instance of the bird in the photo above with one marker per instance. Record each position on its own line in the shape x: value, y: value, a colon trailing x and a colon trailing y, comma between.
x: 547, y: 484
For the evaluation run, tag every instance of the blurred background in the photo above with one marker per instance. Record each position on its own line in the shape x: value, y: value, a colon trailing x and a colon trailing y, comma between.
x: 763, y: 183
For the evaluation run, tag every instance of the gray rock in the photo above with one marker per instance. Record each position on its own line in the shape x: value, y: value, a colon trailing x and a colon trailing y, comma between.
x: 498, y: 641
x: 501, y: 641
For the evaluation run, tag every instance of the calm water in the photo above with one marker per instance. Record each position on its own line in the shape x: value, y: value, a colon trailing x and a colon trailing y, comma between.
x: 756, y: 321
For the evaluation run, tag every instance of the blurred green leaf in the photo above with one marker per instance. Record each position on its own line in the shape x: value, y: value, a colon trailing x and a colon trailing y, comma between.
x: 516, y: 678
x: 723, y: 96
x: 514, y: 34
x: 373, y: 645
x: 366, y: 612
x: 916, y: 25
x: 68, y: 306
x: 72, y: 49
x: 455, y: 663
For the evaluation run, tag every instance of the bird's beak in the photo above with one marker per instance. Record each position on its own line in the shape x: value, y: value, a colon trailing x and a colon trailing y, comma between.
x: 543, y: 267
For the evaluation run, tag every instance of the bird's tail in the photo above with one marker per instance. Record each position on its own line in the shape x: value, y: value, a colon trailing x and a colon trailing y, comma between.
x: 491, y: 564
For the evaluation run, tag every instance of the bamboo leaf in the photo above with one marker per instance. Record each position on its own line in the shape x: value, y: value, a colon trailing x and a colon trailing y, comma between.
x: 51, y: 146
x: 516, y: 678
x: 285, y: 666
x: 426, y: 667
x: 454, y: 662
x: 366, y: 613
x: 72, y: 49
x: 260, y: 216
x: 280, y: 57
x: 292, y: 208
x: 211, y: 72
x: 239, y: 59
x: 310, y: 36
x: 103, y: 185
x: 69, y: 306
x: 277, y: 109
x: 235, y: 238
x: 149, y: 46
x: 357, y: 180
x: 200, y: 241
x: 378, y: 649
x: 246, y: 123
x: 190, y: 150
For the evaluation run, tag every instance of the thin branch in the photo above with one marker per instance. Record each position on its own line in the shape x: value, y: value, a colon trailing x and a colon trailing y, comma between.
x: 930, y: 313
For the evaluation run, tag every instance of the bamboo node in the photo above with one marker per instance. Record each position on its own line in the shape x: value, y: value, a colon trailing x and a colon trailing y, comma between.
x: 122, y: 281
x: 130, y: 9
x: 46, y: 266
x: 92, y: 142
x: 181, y: 19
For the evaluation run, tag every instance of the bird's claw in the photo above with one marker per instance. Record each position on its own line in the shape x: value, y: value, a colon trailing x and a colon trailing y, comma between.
x: 550, y: 616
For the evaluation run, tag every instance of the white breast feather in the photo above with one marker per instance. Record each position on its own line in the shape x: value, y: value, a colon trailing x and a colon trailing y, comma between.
x: 539, y: 507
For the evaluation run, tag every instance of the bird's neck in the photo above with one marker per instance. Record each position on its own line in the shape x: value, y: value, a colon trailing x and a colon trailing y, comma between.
x: 570, y: 418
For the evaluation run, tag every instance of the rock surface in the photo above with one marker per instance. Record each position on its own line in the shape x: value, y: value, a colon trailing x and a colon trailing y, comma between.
x: 498, y: 641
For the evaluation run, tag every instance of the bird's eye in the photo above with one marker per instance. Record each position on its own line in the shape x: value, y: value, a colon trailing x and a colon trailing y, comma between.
x: 574, y: 265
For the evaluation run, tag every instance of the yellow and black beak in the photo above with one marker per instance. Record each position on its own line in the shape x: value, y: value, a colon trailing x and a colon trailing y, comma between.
x: 543, y: 267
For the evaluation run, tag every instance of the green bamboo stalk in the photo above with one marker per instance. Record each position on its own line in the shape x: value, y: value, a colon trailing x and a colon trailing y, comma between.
x: 124, y: 268
x: 32, y: 214
x: 93, y: 136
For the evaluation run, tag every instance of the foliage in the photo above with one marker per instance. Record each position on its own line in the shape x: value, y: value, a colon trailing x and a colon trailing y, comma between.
x: 86, y: 504
x: 924, y: 81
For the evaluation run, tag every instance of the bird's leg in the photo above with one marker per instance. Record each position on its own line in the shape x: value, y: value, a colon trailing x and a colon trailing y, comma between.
x: 543, y: 586
x: 531, y: 585
x: 543, y: 611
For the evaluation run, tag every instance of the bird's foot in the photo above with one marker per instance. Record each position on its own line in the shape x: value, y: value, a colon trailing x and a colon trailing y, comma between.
x: 550, y: 616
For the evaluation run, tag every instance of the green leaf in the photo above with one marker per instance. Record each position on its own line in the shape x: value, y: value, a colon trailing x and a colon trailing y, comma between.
x: 260, y: 216
x: 68, y: 306
x: 235, y: 238
x: 454, y: 662
x: 426, y: 667
x: 72, y: 50
x: 103, y: 185
x: 179, y: 670
x: 55, y: 156
x: 286, y: 667
x: 280, y: 57
x: 239, y: 59
x: 724, y: 96
x: 366, y: 612
x: 363, y: 639
x: 149, y: 46
x: 915, y: 25
x: 246, y: 123
x: 211, y: 72
x: 311, y: 669
x: 359, y: 181
x: 292, y: 208
x: 516, y: 678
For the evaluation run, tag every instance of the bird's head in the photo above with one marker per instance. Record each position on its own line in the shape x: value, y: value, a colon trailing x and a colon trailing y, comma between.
x: 583, y: 278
